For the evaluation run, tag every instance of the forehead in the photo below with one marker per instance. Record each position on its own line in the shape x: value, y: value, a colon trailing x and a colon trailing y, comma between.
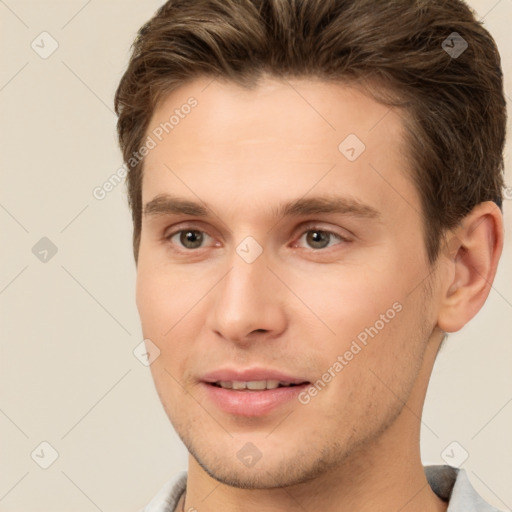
x: 283, y: 138
x: 289, y: 114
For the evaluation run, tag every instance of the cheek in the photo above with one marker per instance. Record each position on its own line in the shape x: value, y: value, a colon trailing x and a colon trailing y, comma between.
x: 351, y: 298
x: 368, y: 317
x: 151, y: 302
x: 386, y: 348
x: 168, y: 302
x: 163, y: 296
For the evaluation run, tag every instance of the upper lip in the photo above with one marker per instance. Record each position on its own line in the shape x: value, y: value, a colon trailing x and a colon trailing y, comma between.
x: 251, y: 374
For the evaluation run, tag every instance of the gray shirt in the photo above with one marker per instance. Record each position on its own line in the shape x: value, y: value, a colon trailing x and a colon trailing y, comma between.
x: 450, y: 484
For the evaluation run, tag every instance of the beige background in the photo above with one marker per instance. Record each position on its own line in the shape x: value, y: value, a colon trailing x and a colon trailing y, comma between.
x: 68, y: 326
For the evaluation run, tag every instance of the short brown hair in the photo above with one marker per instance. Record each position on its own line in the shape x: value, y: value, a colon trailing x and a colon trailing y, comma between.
x: 454, y: 105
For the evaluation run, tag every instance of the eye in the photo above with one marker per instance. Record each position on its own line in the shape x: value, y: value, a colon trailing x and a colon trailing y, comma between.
x: 188, y: 238
x: 316, y: 238
x: 320, y: 239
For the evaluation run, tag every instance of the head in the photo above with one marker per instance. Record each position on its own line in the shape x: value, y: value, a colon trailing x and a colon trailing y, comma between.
x: 252, y: 125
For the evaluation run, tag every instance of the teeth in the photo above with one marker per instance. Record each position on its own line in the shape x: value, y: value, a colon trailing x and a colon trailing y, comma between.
x: 253, y: 384
x: 256, y: 384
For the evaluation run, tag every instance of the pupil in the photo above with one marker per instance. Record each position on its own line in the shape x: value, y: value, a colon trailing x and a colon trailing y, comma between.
x: 191, y: 239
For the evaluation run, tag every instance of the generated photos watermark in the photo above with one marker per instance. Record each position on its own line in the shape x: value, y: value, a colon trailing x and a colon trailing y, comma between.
x: 151, y: 142
x: 357, y: 345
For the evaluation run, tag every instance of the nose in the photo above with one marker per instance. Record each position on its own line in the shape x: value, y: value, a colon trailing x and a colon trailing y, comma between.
x: 248, y: 303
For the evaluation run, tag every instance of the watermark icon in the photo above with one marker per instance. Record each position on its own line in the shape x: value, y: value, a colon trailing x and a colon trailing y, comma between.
x: 45, y: 45
x: 44, y: 455
x: 507, y: 193
x: 355, y: 348
x: 44, y: 250
x: 451, y: 247
x: 455, y: 454
x: 351, y: 147
x: 249, y: 249
x: 454, y: 45
x: 249, y: 455
x: 146, y: 352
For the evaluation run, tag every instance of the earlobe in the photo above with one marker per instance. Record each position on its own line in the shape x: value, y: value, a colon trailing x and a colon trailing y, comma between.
x: 471, y: 256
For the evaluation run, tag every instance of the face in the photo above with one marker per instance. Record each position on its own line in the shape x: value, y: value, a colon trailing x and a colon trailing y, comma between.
x: 277, y: 248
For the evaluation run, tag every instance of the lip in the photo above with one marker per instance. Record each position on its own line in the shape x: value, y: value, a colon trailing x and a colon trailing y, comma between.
x: 250, y: 403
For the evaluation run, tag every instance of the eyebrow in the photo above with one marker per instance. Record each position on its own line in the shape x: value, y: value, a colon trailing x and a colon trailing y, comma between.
x: 166, y: 204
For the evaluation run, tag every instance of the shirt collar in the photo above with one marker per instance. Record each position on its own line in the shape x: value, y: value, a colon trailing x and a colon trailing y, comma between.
x: 453, y: 485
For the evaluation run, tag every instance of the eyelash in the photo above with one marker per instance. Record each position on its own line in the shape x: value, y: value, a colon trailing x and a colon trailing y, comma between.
x: 308, y: 230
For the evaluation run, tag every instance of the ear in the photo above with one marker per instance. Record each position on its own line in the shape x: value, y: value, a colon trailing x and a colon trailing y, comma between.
x: 473, y: 250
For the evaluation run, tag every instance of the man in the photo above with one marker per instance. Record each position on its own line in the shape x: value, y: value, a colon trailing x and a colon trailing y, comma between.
x: 316, y: 191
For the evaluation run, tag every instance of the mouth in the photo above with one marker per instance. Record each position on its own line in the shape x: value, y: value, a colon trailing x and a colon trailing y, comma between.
x: 251, y: 393
x: 255, y: 385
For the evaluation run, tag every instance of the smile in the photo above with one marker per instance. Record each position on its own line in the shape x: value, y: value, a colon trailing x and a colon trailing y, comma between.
x: 252, y: 385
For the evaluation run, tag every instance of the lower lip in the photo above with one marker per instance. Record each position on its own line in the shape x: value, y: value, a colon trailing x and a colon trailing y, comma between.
x: 251, y: 403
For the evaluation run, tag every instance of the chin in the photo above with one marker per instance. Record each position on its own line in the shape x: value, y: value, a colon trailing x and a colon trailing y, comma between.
x: 269, y: 472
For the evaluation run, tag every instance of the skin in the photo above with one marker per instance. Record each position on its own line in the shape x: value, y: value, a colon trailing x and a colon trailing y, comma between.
x: 355, y: 445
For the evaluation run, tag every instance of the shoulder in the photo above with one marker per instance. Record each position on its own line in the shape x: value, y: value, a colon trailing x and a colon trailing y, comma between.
x: 169, y: 494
